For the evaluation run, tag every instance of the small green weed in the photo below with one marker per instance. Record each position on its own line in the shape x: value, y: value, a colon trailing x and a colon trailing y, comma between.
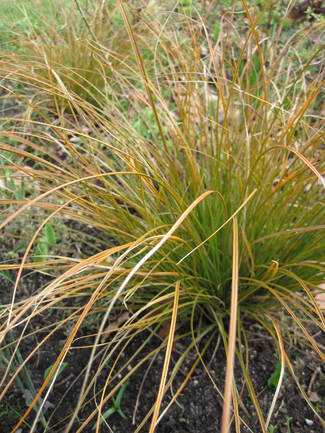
x: 116, y: 408
x: 56, y: 372
x: 274, y: 378
x: 44, y: 243
x: 11, y: 186
x: 24, y: 380
x: 288, y: 419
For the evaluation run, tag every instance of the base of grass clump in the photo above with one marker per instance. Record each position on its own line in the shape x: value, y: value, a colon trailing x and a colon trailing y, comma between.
x: 198, y: 404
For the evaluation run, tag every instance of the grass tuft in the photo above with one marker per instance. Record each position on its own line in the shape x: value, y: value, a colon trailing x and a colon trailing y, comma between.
x: 192, y: 163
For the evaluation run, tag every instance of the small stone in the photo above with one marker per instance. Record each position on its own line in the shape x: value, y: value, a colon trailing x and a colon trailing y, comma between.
x: 314, y: 397
x: 309, y: 421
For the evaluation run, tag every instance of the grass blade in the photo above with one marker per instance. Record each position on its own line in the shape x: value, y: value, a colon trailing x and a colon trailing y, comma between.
x: 226, y: 410
x: 166, y: 362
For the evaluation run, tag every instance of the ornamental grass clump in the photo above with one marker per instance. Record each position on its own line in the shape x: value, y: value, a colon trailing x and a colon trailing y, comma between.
x: 202, y: 178
x: 77, y: 45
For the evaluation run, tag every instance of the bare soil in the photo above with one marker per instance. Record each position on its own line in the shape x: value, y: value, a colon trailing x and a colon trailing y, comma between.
x: 198, y: 408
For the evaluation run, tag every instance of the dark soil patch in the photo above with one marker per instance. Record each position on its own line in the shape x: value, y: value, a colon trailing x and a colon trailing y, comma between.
x: 198, y: 407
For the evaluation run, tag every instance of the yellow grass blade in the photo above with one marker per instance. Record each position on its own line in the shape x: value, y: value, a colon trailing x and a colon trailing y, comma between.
x: 167, y: 360
x: 226, y: 410
x: 57, y: 188
x: 218, y: 229
x: 309, y: 164
x: 21, y: 266
x: 165, y: 238
x: 249, y: 250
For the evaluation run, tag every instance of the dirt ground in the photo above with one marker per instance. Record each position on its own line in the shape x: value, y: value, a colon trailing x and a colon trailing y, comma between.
x: 198, y: 408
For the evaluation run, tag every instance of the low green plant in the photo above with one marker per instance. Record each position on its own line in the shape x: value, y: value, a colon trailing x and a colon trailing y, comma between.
x: 10, y: 186
x: 116, y: 408
x: 11, y: 359
x: 43, y: 244
x: 273, y: 380
x: 213, y: 203
x: 288, y: 424
x: 57, y: 372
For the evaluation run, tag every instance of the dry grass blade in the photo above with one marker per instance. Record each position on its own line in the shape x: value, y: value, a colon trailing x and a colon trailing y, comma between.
x: 163, y: 378
x: 53, y: 190
x: 22, y: 264
x: 260, y: 55
x: 143, y: 72
x: 164, y: 238
x: 134, y: 270
x: 221, y: 227
x: 226, y: 410
x: 279, y: 384
x: 309, y: 164
x: 187, y: 378
x: 65, y: 348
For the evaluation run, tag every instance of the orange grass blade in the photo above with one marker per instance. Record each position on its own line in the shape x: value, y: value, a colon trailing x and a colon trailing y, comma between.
x: 70, y: 338
x: 249, y: 250
x: 165, y: 238
x: 308, y: 163
x: 187, y: 378
x: 167, y: 360
x: 226, y: 410
x: 218, y: 229
x: 21, y: 266
x: 303, y: 392
x: 144, y: 259
x: 260, y: 55
x: 59, y: 187
x: 147, y: 83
